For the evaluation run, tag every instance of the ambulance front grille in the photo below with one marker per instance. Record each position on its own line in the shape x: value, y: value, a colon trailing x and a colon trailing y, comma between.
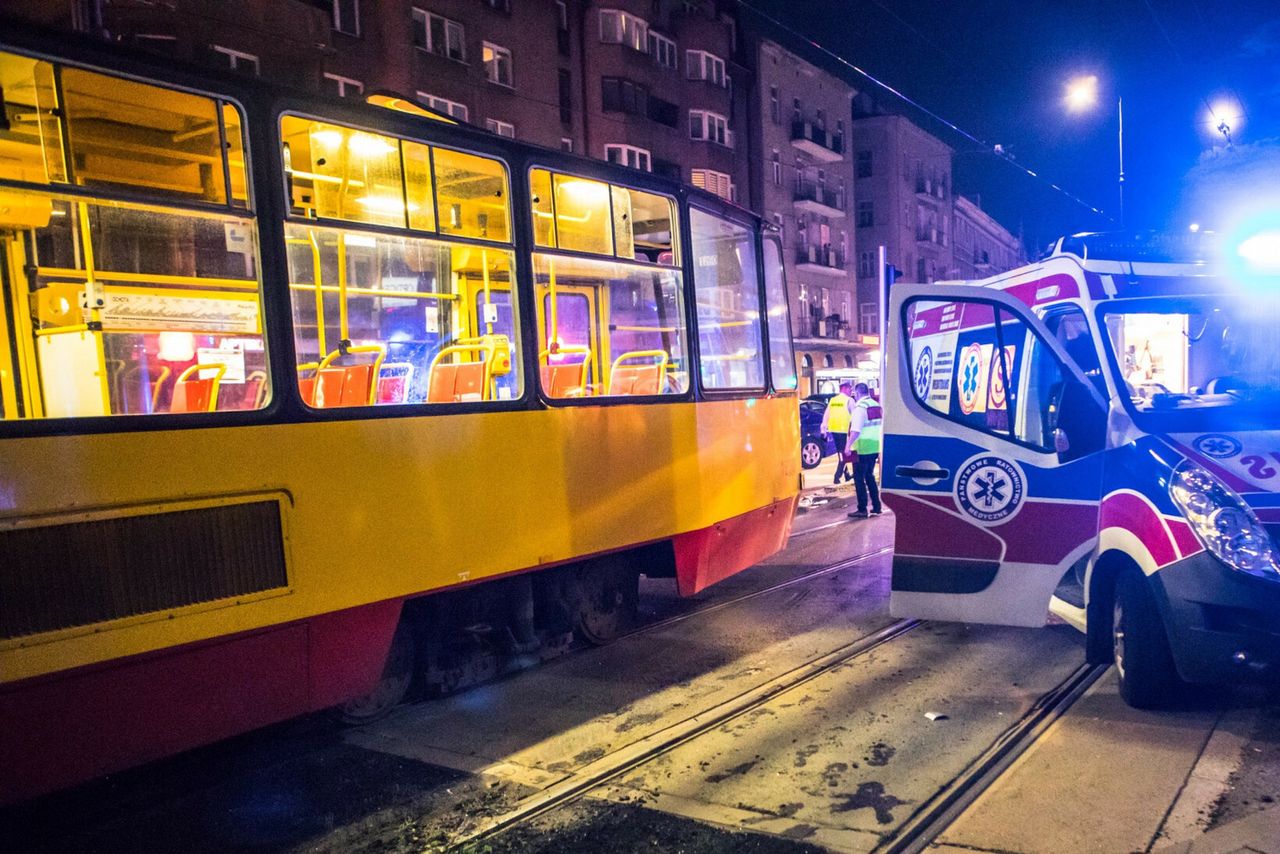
x: 62, y: 576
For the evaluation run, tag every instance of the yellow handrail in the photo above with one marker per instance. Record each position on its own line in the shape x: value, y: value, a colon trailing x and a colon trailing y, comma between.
x: 358, y: 350
x: 570, y: 349
x: 261, y: 397
x: 155, y: 389
x: 315, y: 266
x: 662, y: 356
x: 217, y: 380
x: 484, y: 345
x: 145, y: 278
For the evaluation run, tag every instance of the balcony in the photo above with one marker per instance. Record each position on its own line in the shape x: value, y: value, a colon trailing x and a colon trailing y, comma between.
x: 931, y: 235
x: 929, y: 188
x: 823, y: 260
x: 819, y: 144
x: 822, y: 201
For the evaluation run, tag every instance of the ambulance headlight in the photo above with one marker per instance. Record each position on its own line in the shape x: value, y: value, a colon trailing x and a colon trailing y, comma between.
x: 1222, y: 521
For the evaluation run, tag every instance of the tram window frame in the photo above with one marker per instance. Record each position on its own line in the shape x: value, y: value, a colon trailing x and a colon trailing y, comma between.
x: 753, y: 233
x: 236, y: 202
x: 769, y: 237
x: 438, y: 236
x: 544, y: 243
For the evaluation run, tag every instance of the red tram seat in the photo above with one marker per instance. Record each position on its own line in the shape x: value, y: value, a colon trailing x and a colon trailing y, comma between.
x: 455, y: 383
x: 348, y: 385
x: 563, y: 380
x: 192, y: 393
x: 635, y: 379
x: 307, y: 388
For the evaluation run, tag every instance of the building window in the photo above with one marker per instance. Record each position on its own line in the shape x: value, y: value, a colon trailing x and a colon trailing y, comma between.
x: 501, y: 128
x: 564, y: 82
x: 618, y: 95
x: 712, y: 181
x: 497, y: 64
x: 621, y: 28
x: 775, y: 165
x: 797, y: 110
x: 840, y: 128
x: 663, y: 50
x: 444, y: 105
x: 869, y: 318
x: 346, y: 16
x: 775, y: 108
x: 864, y: 164
x: 562, y: 15
x: 700, y: 65
x: 866, y: 264
x: 343, y: 87
x: 866, y: 214
x: 628, y: 155
x: 438, y: 35
x: 246, y: 63
x: 712, y: 127
x: 566, y: 144
x: 499, y: 5
x: 821, y: 121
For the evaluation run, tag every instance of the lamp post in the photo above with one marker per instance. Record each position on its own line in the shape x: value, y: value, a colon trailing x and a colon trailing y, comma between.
x: 1082, y: 93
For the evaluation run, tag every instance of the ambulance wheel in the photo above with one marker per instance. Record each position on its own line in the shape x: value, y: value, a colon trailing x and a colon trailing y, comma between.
x: 810, y: 453
x: 391, y: 686
x: 1140, y: 646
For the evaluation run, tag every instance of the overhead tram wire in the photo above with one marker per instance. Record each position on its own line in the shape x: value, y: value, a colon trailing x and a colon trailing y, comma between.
x: 995, y: 150
x: 1216, y: 122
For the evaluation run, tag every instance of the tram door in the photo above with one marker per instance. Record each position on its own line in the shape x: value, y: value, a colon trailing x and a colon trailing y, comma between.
x: 574, y: 324
x: 992, y: 460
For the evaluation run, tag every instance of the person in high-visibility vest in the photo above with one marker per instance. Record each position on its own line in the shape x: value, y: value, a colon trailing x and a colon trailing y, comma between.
x: 836, y: 419
x: 864, y: 439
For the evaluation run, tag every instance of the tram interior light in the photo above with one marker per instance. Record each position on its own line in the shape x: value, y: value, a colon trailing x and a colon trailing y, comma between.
x: 177, y: 347
x: 327, y: 138
x: 370, y: 146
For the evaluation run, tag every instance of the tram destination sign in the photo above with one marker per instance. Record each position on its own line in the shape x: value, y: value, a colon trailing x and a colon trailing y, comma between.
x: 135, y: 310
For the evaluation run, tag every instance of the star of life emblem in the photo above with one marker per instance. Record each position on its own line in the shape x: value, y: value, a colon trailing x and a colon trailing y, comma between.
x: 1218, y: 446
x: 970, y: 378
x: 924, y: 373
x: 989, y: 489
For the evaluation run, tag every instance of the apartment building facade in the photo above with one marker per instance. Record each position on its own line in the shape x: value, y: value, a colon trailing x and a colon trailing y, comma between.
x: 802, y: 181
x: 650, y: 84
x: 982, y: 246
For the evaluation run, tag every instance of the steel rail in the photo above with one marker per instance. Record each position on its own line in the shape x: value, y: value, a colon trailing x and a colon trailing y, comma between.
x: 938, y: 813
x: 625, y: 759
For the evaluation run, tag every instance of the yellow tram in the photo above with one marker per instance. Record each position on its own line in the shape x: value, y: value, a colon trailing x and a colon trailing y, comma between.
x: 297, y: 395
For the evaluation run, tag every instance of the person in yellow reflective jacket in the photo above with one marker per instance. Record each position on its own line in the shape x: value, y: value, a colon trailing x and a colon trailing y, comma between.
x: 836, y: 420
x: 864, y: 440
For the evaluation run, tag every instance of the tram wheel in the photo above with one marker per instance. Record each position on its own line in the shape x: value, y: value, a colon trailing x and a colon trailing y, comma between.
x: 391, y: 687
x: 1140, y: 646
x: 608, y: 595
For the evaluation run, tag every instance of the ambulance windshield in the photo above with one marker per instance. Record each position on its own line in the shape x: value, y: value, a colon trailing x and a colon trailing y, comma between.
x: 1201, y: 362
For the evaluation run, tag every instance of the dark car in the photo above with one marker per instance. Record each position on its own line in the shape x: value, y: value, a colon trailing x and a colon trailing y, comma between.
x: 814, y: 448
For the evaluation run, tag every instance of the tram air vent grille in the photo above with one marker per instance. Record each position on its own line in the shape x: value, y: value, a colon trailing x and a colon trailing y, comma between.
x: 75, y: 574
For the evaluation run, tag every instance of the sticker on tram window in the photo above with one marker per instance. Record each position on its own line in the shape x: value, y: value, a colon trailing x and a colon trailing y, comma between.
x: 130, y: 309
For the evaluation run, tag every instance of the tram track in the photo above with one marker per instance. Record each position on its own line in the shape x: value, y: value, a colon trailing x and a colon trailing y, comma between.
x: 936, y: 815
x: 632, y: 756
x: 923, y: 827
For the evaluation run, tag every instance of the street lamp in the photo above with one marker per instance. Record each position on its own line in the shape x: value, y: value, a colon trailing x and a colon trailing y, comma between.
x: 1082, y: 94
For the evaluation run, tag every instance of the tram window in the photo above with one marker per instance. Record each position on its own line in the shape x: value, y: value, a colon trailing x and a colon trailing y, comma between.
x: 128, y: 134
x: 389, y: 319
x: 728, y: 300
x: 31, y: 136
x: 472, y: 194
x: 582, y: 215
x: 176, y: 297
x: 782, y: 365
x: 237, y: 166
x: 544, y: 219
x: 340, y: 173
x: 629, y: 317
x: 417, y: 184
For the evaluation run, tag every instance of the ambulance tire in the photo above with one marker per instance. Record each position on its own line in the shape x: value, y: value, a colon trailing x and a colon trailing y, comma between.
x: 1140, y: 646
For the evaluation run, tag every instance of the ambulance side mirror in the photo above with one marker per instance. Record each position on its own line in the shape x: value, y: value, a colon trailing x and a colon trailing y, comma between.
x: 1078, y: 423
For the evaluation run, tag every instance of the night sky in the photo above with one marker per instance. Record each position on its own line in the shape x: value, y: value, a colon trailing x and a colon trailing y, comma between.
x: 999, y: 70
